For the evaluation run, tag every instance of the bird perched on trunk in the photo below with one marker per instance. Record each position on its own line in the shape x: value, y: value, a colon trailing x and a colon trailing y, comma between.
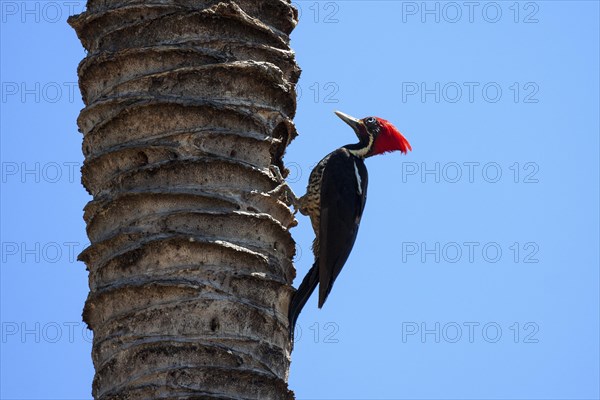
x: 335, y: 199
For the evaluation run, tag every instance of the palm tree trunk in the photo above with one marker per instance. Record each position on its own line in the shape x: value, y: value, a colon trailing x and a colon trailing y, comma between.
x: 188, y: 104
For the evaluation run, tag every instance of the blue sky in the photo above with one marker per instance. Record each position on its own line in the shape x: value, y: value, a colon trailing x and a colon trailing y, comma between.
x: 475, y: 274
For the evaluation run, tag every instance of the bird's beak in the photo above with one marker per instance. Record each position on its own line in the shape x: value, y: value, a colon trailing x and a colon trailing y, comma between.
x: 353, y: 122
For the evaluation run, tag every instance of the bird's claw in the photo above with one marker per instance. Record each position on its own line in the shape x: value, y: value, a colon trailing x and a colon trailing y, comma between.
x: 283, y: 191
x: 277, y: 173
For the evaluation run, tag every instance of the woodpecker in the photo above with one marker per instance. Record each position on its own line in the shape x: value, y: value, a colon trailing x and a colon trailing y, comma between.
x: 335, y: 199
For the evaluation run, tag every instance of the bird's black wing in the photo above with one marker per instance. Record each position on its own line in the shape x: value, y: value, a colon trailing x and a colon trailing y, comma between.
x: 343, y: 197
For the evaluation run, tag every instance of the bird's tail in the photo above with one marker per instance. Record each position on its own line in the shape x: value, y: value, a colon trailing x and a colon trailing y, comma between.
x: 308, y: 285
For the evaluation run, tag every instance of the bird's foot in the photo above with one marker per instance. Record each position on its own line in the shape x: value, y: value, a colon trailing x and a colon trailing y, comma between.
x: 277, y: 173
x: 283, y: 191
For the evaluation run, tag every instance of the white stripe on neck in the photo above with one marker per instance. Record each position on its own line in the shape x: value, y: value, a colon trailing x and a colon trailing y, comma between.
x: 365, y: 150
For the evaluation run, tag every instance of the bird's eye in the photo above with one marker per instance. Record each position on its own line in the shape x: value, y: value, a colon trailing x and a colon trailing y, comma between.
x: 370, y: 120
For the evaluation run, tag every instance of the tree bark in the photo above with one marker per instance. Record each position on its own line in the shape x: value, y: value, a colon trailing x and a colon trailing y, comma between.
x: 188, y: 104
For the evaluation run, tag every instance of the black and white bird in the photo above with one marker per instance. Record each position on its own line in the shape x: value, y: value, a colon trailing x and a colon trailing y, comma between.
x: 335, y: 199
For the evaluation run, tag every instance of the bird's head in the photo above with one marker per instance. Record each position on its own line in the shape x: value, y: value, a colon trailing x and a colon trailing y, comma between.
x: 376, y: 136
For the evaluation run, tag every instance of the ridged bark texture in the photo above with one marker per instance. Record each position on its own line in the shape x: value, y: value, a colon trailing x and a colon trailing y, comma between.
x: 188, y: 104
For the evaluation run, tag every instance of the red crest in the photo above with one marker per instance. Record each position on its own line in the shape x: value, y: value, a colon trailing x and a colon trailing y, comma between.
x: 389, y: 139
